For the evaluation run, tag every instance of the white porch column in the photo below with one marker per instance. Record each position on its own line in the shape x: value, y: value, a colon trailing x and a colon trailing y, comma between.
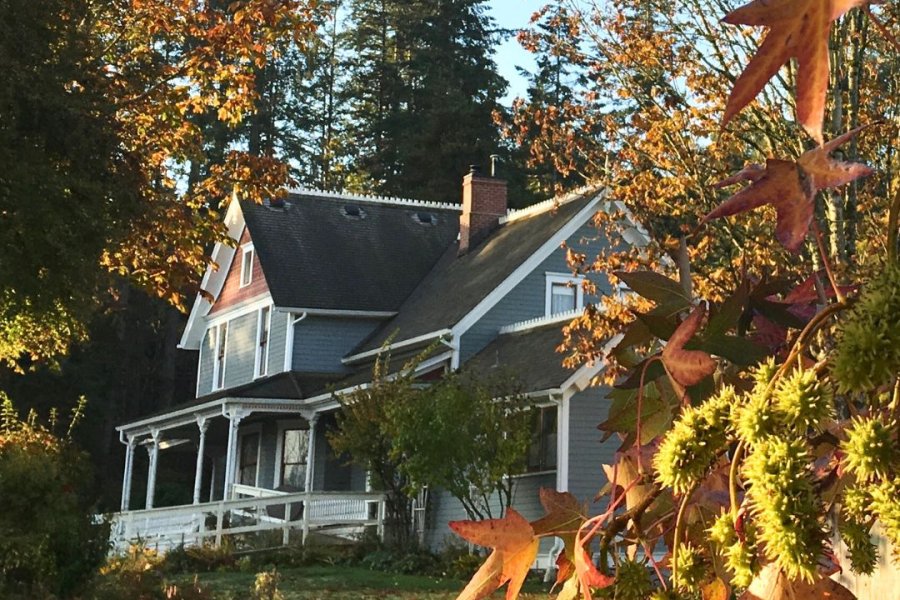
x: 129, y: 471
x: 153, y: 451
x: 203, y: 425
x: 310, y: 451
x: 234, y: 420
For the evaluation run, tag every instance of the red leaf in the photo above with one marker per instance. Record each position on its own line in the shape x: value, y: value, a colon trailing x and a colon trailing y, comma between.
x: 797, y: 29
x: 782, y: 186
x: 687, y: 367
x: 515, y: 548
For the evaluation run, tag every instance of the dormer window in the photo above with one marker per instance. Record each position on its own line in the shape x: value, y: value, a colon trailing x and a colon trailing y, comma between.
x: 246, y: 265
x: 564, y: 294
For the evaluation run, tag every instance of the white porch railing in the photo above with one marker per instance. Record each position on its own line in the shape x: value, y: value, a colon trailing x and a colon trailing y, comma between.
x: 258, y: 510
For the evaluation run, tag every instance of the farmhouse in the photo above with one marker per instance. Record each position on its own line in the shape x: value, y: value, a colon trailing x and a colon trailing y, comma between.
x: 299, y: 309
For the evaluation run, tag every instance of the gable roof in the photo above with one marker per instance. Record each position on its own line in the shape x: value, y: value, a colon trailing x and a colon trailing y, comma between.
x: 458, y: 284
x: 316, y: 255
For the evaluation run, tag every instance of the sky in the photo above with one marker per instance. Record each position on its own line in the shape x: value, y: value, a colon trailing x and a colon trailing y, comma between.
x: 513, y: 14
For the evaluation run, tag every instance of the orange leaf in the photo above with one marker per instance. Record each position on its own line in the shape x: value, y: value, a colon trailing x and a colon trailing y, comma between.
x: 588, y: 574
x: 687, y: 367
x: 797, y: 29
x: 715, y: 590
x: 515, y: 548
x: 824, y: 171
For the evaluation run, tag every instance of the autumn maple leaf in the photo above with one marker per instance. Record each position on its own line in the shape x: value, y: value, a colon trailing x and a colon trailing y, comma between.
x: 687, y: 367
x: 797, y: 29
x: 791, y: 188
x: 515, y: 548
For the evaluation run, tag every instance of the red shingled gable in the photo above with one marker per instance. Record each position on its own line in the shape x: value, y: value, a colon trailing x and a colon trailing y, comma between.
x: 232, y: 292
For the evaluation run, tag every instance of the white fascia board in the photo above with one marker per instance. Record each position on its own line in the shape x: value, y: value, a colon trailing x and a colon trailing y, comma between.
x: 522, y: 271
x: 176, y: 418
x: 245, y: 308
x: 580, y: 380
x: 213, y: 279
x: 396, y: 346
x: 328, y: 312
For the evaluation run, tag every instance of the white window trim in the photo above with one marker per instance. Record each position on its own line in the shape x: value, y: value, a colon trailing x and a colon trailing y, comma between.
x: 215, y: 379
x: 243, y: 432
x: 245, y: 250
x: 279, y: 446
x: 564, y: 278
x: 257, y: 372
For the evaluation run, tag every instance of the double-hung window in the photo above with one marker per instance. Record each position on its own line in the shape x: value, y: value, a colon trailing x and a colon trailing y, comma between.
x: 294, y: 452
x: 263, y: 326
x: 221, y: 335
x: 564, y: 294
x: 248, y: 465
x: 542, y: 450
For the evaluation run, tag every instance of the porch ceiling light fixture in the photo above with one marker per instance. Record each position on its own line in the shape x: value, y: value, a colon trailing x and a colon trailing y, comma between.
x: 165, y: 444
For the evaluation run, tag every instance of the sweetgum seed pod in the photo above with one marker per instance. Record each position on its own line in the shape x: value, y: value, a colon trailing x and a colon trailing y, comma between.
x: 722, y: 531
x: 867, y: 355
x: 691, y: 567
x: 886, y: 507
x: 863, y: 553
x: 870, y: 451
x: 689, y: 449
x: 785, y: 505
x: 803, y: 402
x: 857, y: 504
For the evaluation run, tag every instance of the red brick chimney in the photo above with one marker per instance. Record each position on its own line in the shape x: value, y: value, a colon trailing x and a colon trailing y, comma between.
x: 484, y: 202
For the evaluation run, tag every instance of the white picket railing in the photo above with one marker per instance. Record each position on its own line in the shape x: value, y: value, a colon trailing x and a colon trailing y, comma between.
x: 253, y: 510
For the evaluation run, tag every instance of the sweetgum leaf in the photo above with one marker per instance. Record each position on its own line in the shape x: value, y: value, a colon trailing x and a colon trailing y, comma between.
x: 797, y: 29
x: 687, y: 367
x: 515, y: 548
x: 783, y: 186
x: 656, y: 287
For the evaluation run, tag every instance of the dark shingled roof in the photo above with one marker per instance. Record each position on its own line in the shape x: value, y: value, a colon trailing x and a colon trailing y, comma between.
x: 530, y: 356
x: 316, y: 256
x: 457, y: 284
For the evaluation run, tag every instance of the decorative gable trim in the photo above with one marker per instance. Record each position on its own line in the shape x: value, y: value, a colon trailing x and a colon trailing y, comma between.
x: 522, y: 271
x: 547, y: 205
x: 541, y: 322
x: 371, y: 199
x: 214, y: 278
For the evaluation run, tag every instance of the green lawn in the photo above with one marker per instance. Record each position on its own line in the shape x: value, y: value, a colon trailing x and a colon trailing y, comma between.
x: 344, y: 583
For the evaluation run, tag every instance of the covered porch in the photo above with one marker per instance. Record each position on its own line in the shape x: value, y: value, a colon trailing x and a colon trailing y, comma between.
x: 260, y: 465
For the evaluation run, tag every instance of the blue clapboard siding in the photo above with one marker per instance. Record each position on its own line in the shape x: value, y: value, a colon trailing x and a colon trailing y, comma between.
x: 240, y: 351
x: 277, y: 333
x: 528, y: 299
x: 321, y: 342
x: 205, y: 368
x: 588, y: 409
x: 443, y: 508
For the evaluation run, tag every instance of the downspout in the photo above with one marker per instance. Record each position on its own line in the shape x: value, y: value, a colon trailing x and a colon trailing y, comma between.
x: 289, y: 341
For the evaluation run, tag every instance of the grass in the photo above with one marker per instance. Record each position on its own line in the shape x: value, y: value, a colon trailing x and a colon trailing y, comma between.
x: 345, y: 583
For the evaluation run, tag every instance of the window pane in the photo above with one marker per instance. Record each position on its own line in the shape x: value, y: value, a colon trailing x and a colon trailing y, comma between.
x: 296, y: 446
x: 562, y: 298
x: 247, y: 267
x: 294, y: 475
x: 249, y: 459
x: 262, y: 342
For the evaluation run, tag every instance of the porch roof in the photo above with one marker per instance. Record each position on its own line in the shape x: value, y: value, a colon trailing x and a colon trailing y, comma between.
x: 280, y: 392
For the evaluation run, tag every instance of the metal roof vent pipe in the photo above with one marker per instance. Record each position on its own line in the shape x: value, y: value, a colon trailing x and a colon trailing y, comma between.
x: 484, y: 202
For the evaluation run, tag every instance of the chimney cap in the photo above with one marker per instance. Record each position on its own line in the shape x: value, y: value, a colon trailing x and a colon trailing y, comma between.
x: 474, y: 169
